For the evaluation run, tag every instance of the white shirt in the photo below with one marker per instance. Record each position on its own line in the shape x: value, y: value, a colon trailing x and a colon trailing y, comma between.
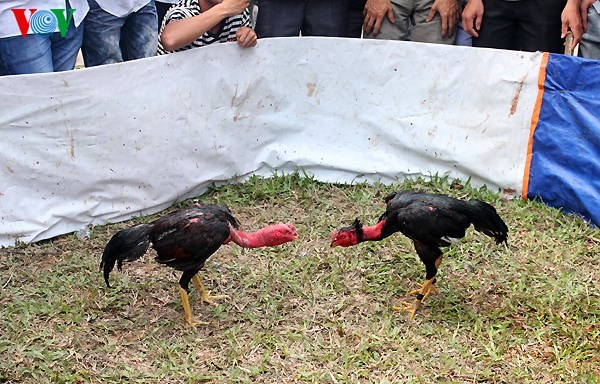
x: 8, y: 23
x: 121, y: 8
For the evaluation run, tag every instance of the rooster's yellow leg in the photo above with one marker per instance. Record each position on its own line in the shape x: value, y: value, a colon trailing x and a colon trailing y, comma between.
x: 205, y: 296
x: 428, y: 287
x: 425, y: 289
x: 187, y: 311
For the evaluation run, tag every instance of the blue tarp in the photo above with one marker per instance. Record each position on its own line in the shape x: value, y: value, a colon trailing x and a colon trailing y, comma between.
x: 565, y: 166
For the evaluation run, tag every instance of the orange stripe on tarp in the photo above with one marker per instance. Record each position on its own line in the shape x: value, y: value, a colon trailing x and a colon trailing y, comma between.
x: 534, y: 122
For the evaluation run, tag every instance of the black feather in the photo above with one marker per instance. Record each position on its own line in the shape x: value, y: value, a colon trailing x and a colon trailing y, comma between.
x: 128, y: 244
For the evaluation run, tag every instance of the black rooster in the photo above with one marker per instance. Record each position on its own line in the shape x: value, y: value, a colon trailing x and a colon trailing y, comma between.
x: 184, y: 240
x: 431, y: 221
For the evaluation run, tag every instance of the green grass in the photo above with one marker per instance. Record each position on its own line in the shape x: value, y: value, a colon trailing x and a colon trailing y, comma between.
x: 306, y: 313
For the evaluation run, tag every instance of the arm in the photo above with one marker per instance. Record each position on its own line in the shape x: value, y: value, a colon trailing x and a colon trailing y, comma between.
x: 471, y: 17
x: 246, y: 36
x: 375, y: 11
x: 178, y: 34
x: 571, y: 20
x: 448, y: 10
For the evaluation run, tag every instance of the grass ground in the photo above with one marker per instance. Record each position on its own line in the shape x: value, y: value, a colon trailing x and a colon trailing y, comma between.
x: 306, y: 313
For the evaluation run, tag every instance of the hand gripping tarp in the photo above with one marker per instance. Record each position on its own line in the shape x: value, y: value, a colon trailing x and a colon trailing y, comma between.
x: 105, y: 144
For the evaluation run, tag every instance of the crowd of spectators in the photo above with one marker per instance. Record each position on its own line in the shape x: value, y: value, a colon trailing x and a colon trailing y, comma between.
x: 46, y: 35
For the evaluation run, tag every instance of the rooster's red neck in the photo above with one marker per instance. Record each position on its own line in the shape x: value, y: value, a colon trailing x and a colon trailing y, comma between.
x: 372, y: 232
x: 264, y: 237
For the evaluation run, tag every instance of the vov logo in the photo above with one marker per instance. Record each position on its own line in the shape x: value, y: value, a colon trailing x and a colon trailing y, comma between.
x: 43, y: 22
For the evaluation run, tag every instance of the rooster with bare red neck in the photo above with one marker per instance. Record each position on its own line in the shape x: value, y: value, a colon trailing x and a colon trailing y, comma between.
x: 431, y: 221
x: 184, y: 240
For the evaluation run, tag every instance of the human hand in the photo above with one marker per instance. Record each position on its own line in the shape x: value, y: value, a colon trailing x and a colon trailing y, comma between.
x: 583, y: 11
x: 472, y: 16
x: 375, y: 11
x: 246, y: 37
x: 234, y: 7
x: 571, y: 20
x: 448, y: 10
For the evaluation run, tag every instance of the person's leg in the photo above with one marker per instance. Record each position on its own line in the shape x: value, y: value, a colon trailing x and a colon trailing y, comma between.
x: 462, y: 38
x: 356, y: 18
x: 590, y: 41
x: 398, y: 30
x: 101, y: 37
x: 139, y: 36
x: 325, y: 18
x: 540, y: 25
x: 65, y: 49
x: 498, y: 26
x: 161, y: 11
x: 277, y: 18
x: 427, y: 32
x: 21, y: 55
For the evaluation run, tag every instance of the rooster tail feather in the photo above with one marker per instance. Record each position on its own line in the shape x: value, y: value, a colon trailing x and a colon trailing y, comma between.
x: 126, y: 245
x: 486, y: 220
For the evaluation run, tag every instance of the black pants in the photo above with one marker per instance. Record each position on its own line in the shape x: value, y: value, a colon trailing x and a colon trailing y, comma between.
x: 525, y: 25
x: 278, y: 18
x: 161, y: 11
x: 355, y: 17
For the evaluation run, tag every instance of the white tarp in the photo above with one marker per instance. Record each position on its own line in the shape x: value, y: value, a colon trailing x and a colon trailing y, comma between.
x: 108, y: 143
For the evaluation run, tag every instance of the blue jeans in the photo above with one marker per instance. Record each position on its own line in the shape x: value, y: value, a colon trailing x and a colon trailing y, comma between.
x: 110, y: 39
x: 38, y: 54
x: 278, y: 18
x: 462, y: 37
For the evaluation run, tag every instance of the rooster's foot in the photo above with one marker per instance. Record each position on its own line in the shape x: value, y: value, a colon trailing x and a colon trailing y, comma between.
x: 205, y: 297
x: 193, y: 323
x: 411, y: 308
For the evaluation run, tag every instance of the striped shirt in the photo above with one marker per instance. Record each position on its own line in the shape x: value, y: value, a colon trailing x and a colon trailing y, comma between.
x: 190, y: 8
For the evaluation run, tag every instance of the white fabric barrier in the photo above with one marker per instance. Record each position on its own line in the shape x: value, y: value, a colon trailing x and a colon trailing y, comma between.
x: 105, y: 144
